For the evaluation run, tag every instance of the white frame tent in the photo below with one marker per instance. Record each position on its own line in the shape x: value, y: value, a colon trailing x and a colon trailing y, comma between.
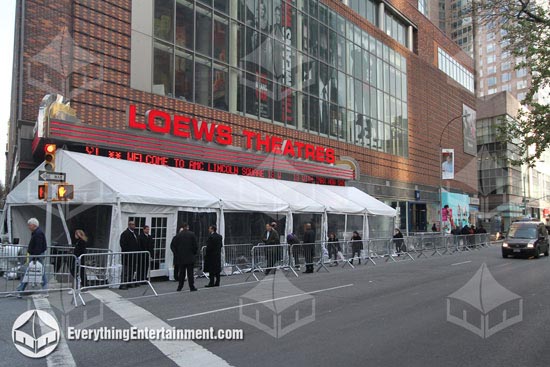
x: 135, y: 188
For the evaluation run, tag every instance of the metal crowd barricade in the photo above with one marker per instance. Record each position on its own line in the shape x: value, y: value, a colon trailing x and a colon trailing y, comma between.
x: 336, y: 253
x: 399, y: 245
x: 308, y: 254
x: 379, y: 248
x: 238, y: 257
x: 115, y: 269
x: 22, y: 276
x: 266, y: 258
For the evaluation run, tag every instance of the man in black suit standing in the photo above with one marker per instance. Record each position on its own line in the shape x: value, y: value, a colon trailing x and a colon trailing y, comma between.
x: 146, y: 243
x: 128, y: 243
x: 184, y: 246
x: 213, y: 257
x: 309, y: 247
x: 271, y: 238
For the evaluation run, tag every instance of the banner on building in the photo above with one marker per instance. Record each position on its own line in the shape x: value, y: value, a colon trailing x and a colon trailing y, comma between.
x: 447, y: 164
x: 469, y: 129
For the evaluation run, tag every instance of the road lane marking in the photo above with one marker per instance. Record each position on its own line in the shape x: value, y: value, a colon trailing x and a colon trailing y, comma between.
x: 182, y: 352
x: 462, y: 263
x: 257, y: 303
x: 206, y: 289
x: 62, y: 356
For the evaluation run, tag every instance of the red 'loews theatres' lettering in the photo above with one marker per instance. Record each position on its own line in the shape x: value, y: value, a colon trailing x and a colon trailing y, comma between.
x: 182, y: 126
x: 161, y: 122
x: 274, y: 144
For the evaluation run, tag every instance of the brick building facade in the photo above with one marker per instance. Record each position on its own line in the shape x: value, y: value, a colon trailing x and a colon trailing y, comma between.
x: 82, y: 49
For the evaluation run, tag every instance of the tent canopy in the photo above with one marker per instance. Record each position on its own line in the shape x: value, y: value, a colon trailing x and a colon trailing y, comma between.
x: 110, y: 181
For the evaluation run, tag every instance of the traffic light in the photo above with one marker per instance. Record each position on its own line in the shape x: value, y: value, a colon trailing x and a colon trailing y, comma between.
x: 49, y: 157
x: 65, y: 192
x: 43, y: 191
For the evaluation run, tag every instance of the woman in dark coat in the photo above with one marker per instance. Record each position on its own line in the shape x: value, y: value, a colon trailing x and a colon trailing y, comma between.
x: 213, y: 257
x: 333, y: 247
x: 356, y: 246
x: 399, y: 241
x: 80, y: 249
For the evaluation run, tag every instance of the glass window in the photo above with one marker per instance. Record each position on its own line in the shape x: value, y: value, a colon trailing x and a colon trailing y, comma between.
x: 521, y: 73
x: 221, y: 38
x: 163, y: 69
x: 203, y: 34
x: 353, y: 86
x: 203, y: 81
x: 246, y: 228
x: 184, y: 76
x: 220, y: 87
x: 185, y: 24
x: 164, y: 20
x: 299, y: 221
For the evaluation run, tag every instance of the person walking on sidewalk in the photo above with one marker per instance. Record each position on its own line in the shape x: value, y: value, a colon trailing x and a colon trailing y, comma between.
x: 37, y: 250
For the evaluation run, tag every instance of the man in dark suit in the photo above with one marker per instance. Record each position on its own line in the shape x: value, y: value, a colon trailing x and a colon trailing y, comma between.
x: 213, y: 257
x: 309, y: 247
x: 128, y: 243
x: 146, y: 243
x: 184, y: 246
x: 271, y: 238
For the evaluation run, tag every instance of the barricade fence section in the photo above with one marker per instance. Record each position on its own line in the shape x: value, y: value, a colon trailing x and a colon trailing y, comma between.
x: 115, y: 270
x: 26, y: 274
x: 59, y: 269
x: 237, y: 258
x: 378, y: 248
x: 268, y: 258
x: 310, y: 255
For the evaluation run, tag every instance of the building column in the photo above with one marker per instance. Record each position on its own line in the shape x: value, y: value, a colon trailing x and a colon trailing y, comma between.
x: 381, y: 18
x: 299, y: 70
x: 233, y: 60
x: 410, y: 40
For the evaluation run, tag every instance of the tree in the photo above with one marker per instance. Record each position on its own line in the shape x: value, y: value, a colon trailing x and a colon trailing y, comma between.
x: 526, y: 25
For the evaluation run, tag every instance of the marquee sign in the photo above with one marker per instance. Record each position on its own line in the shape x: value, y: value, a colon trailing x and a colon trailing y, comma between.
x: 186, y: 127
x: 264, y: 172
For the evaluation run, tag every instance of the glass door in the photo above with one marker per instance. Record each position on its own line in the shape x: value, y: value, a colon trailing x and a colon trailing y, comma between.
x: 159, y: 230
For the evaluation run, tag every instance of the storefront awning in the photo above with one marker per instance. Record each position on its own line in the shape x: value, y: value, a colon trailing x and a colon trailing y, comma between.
x: 100, y: 180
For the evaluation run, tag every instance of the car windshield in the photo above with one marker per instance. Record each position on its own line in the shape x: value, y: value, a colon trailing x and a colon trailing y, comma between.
x: 522, y: 232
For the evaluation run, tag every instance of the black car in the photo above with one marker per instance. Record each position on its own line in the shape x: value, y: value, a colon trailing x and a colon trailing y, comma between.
x: 526, y: 238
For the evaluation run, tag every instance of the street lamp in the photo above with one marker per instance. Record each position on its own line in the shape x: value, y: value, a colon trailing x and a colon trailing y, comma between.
x: 441, y: 169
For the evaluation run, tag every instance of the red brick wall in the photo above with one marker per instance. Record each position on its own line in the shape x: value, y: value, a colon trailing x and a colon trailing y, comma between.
x: 103, y: 29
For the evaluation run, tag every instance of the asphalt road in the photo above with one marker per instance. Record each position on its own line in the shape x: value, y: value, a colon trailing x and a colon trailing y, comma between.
x: 384, y: 315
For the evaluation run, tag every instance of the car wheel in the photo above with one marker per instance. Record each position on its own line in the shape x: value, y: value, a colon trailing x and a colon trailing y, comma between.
x: 546, y: 252
x: 537, y: 252
x: 504, y: 255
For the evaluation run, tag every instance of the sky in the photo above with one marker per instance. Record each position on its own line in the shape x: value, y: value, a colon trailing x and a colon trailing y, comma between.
x: 7, y: 21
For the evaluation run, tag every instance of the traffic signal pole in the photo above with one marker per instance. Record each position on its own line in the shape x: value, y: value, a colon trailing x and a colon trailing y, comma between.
x: 48, y: 228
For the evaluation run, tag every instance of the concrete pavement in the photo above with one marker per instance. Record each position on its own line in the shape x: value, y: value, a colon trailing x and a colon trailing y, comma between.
x: 384, y: 315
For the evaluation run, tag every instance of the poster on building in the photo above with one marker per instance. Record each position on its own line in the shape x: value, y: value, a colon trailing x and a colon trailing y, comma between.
x: 270, y: 43
x: 455, y: 211
x: 469, y: 130
x: 447, y: 164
